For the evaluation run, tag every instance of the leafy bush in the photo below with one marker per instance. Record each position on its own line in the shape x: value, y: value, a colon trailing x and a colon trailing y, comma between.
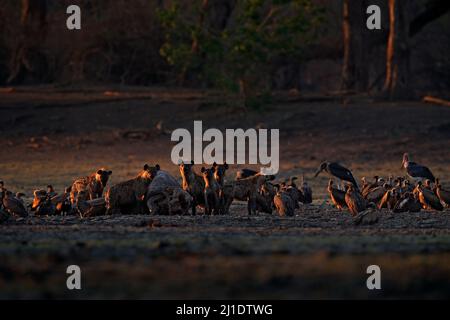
x: 237, y: 56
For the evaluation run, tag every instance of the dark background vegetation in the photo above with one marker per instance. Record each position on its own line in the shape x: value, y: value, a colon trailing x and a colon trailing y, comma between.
x: 120, y: 42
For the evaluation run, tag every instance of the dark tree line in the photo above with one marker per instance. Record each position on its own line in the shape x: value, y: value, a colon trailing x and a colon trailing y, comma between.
x: 28, y: 60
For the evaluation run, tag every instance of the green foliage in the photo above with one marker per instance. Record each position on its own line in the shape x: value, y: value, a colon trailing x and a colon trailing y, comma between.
x: 238, y: 58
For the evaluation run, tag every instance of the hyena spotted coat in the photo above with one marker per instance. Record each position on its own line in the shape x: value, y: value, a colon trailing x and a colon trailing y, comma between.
x: 93, y: 185
x: 130, y: 195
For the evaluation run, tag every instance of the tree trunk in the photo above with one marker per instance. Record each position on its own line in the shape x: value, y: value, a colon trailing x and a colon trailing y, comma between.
x: 396, y: 85
x: 28, y: 58
x: 355, y: 75
x: 348, y: 61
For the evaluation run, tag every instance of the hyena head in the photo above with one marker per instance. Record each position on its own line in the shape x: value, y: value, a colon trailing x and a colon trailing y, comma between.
x: 186, y: 169
x: 150, y: 172
x: 219, y: 172
x: 102, y: 176
x: 208, y: 175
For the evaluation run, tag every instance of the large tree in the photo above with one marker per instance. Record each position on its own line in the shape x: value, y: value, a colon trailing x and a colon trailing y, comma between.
x: 27, y: 58
x: 404, y: 24
x: 402, y: 28
x: 355, y: 74
x: 396, y: 83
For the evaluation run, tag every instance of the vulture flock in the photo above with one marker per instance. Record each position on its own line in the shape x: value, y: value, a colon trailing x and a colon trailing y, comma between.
x: 395, y: 194
x: 155, y: 191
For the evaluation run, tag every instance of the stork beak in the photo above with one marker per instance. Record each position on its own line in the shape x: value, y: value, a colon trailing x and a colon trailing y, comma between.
x: 317, y: 173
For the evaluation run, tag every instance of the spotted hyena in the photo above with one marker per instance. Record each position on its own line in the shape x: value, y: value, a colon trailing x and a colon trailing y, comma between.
x: 194, y: 184
x: 130, y: 195
x: 211, y: 192
x: 93, y: 185
x: 219, y: 175
x: 247, y: 189
x: 219, y: 172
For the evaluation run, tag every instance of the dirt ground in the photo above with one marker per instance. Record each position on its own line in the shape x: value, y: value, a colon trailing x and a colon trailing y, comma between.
x: 53, y: 135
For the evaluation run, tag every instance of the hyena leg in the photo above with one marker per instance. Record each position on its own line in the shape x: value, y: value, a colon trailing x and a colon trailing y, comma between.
x: 207, y: 206
x: 251, y: 206
x: 221, y: 204
x: 228, y: 201
x: 112, y: 205
x: 194, y: 206
x: 152, y: 205
x: 218, y: 207
x: 214, y: 205
x: 73, y: 197
x: 142, y: 207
